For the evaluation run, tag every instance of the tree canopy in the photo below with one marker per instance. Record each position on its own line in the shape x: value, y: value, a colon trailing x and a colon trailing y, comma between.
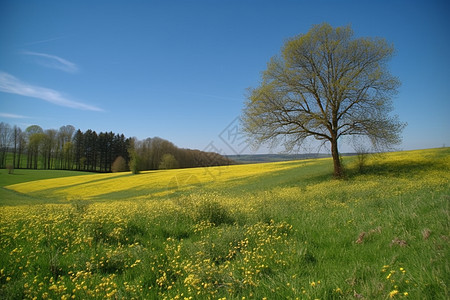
x: 168, y: 161
x: 326, y: 84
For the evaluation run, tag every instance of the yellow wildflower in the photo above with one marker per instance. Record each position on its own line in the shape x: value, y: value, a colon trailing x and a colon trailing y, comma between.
x: 393, y: 293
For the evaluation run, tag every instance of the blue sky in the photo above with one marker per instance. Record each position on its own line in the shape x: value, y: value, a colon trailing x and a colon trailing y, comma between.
x: 180, y: 69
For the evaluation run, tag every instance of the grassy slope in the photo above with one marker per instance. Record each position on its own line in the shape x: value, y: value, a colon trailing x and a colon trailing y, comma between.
x: 282, y: 230
x: 152, y: 185
x: 8, y: 197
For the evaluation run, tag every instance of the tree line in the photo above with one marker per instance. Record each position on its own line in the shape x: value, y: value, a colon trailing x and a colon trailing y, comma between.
x: 71, y: 149
x: 157, y: 153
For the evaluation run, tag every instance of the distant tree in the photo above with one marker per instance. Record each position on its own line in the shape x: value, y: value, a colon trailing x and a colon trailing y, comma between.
x: 102, y: 147
x: 78, y: 141
x: 67, y: 151
x: 119, y: 165
x: 82, y: 163
x: 120, y: 147
x: 110, y: 155
x: 325, y: 85
x: 91, y: 150
x: 146, y: 151
x: 34, y: 135
x: 49, y: 147
x: 5, y: 138
x: 17, y: 147
x: 65, y: 135
x: 134, y: 163
x: 168, y: 161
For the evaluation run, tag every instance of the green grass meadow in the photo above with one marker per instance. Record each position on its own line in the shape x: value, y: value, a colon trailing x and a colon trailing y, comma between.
x: 8, y: 197
x: 283, y: 230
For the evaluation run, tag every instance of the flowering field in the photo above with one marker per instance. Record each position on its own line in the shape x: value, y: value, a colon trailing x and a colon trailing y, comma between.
x: 275, y: 231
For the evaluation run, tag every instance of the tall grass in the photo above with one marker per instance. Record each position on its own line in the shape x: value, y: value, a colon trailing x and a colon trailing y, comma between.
x: 275, y: 231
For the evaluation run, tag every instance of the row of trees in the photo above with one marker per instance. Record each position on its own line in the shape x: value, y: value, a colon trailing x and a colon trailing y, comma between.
x: 71, y: 149
x: 156, y: 153
x: 65, y: 149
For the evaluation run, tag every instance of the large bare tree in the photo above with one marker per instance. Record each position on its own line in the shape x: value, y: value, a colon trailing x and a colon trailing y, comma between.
x: 325, y: 84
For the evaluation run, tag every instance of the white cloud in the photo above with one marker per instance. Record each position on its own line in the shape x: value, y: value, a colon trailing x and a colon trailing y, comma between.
x: 12, y: 116
x: 53, y: 61
x: 12, y: 85
x: 44, y: 41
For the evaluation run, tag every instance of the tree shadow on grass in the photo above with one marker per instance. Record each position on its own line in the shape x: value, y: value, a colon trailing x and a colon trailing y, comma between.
x: 393, y: 169
x: 302, y: 175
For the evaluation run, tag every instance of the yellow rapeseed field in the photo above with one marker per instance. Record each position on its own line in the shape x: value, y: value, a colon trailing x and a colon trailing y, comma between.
x: 149, y: 183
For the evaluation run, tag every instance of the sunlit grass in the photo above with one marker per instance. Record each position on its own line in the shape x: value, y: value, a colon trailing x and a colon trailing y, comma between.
x: 276, y: 231
x: 149, y: 183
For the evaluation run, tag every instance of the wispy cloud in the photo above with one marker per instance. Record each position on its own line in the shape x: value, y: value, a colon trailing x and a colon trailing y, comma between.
x: 53, y: 62
x: 12, y: 116
x: 12, y: 85
x: 44, y: 41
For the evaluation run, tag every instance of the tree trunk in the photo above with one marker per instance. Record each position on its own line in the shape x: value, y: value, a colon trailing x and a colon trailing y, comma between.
x: 18, y: 159
x: 14, y: 153
x: 338, y: 173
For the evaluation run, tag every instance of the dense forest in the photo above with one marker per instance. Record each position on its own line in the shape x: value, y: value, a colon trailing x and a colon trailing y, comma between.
x: 72, y: 149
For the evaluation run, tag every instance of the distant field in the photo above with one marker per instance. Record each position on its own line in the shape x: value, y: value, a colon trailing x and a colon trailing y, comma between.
x: 265, y: 158
x: 21, y: 175
x: 281, y: 230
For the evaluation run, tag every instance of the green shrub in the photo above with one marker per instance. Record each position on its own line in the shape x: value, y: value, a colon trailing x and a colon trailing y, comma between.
x: 119, y: 165
x: 214, y: 212
x: 10, y: 168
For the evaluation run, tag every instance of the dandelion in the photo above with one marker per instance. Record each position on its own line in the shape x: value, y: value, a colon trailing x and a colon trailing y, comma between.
x: 393, y: 293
